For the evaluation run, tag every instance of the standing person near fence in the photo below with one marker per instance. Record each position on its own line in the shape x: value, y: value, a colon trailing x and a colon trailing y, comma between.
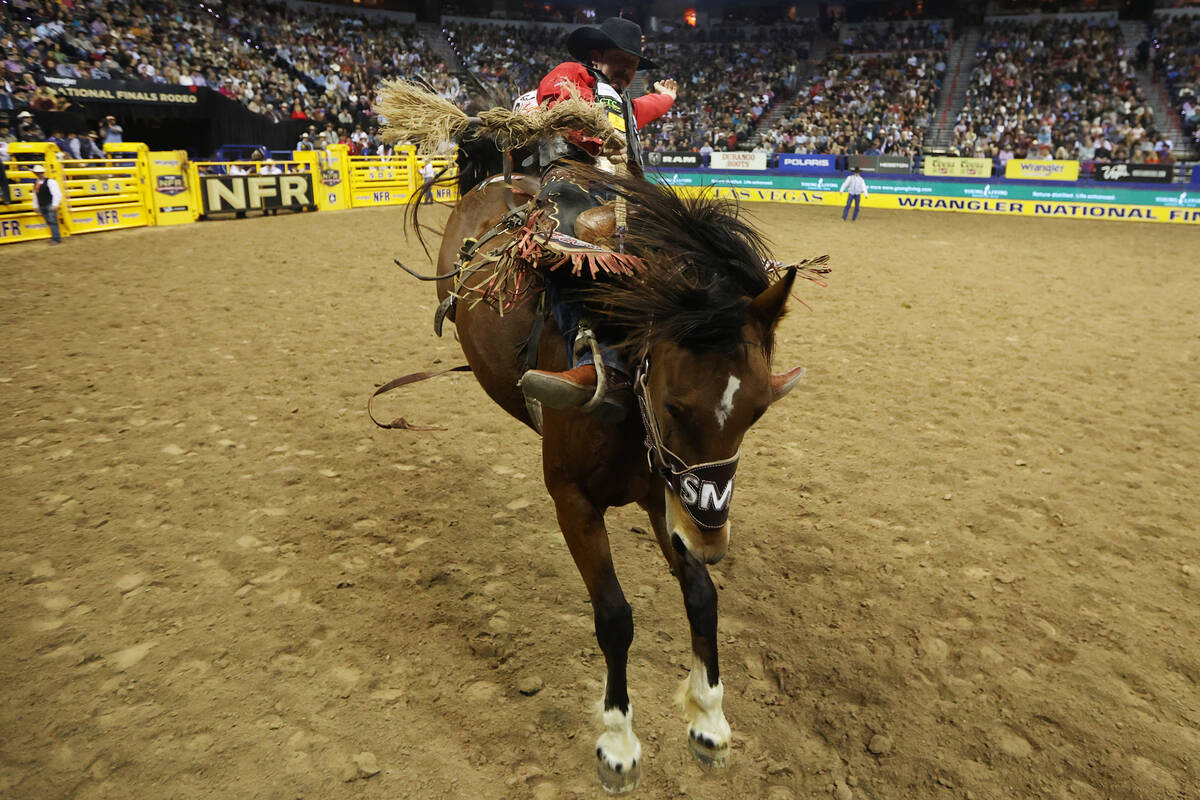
x: 48, y: 197
x: 427, y: 173
x: 856, y: 189
x: 5, y: 194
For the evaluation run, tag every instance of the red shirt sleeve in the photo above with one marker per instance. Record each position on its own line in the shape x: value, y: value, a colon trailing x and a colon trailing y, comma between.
x: 572, y: 73
x: 650, y: 107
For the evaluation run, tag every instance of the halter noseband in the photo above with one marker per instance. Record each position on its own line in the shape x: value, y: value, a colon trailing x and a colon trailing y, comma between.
x: 706, y: 490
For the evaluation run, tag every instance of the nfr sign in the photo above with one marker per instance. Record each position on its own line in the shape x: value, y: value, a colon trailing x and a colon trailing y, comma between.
x: 223, y: 193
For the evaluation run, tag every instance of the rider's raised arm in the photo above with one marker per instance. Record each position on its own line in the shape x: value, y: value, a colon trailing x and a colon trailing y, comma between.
x: 650, y: 107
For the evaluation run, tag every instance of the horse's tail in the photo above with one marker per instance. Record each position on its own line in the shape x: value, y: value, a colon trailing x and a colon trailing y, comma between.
x: 426, y: 192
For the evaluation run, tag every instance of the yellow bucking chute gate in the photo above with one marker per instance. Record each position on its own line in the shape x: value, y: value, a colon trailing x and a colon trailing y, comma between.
x: 133, y: 186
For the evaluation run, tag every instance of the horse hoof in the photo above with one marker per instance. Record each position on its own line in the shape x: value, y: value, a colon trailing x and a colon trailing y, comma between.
x: 706, y: 753
x: 618, y: 781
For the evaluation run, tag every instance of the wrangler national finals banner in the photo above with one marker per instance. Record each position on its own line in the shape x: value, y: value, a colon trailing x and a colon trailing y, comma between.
x: 1171, y: 203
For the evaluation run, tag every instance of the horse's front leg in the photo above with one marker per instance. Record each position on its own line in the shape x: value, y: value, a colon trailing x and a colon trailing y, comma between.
x: 701, y: 695
x: 618, y: 751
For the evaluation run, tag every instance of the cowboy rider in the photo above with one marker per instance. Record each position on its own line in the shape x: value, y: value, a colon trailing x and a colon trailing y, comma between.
x: 607, y: 58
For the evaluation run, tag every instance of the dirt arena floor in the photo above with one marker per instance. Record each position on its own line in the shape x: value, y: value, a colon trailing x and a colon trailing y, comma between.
x: 964, y: 560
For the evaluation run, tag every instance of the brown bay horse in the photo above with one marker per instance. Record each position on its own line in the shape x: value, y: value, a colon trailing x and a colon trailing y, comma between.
x: 698, y: 323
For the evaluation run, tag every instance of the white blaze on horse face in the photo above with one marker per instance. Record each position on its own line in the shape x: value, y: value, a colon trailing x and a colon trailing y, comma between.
x: 702, y: 707
x: 618, y: 745
x: 725, y: 407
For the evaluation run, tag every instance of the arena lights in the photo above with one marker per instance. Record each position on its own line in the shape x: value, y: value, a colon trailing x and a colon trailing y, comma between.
x: 689, y: 17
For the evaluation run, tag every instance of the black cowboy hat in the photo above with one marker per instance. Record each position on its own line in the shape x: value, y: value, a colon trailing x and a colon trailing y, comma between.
x: 615, y: 32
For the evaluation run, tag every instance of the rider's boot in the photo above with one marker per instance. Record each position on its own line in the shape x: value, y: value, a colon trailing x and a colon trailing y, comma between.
x: 573, y: 388
x: 568, y: 389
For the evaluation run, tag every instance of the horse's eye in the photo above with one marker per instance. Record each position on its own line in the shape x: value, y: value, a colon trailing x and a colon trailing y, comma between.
x: 677, y: 413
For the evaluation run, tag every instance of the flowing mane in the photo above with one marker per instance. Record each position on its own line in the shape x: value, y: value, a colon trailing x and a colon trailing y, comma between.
x: 704, y: 264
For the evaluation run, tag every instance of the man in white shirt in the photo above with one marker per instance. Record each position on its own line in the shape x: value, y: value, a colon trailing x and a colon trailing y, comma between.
x: 48, y: 197
x: 427, y: 175
x: 855, y: 188
x: 5, y: 194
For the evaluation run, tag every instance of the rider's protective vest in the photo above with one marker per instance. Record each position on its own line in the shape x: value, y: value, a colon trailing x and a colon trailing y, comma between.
x: 620, y: 113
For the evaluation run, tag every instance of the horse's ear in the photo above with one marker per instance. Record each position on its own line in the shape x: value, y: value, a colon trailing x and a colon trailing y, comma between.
x: 769, y: 306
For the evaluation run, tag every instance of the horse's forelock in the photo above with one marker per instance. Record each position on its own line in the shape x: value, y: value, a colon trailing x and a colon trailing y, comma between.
x: 704, y: 264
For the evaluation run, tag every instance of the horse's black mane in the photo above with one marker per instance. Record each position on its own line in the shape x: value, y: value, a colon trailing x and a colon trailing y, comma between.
x: 704, y: 264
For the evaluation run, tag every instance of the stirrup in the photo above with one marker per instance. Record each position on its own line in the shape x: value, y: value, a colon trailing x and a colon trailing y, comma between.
x: 584, y: 339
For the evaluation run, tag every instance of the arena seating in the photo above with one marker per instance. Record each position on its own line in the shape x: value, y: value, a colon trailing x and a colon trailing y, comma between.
x: 278, y: 61
x: 863, y: 104
x: 891, y: 37
x: 1177, y: 62
x: 507, y: 59
x: 727, y: 77
x: 1055, y: 89
x: 725, y: 88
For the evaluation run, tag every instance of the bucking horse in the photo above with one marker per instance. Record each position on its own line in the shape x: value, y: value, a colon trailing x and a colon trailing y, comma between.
x: 685, y: 291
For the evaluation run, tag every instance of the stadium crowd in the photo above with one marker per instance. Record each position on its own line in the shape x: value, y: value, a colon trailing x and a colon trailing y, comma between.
x: 892, y: 37
x: 278, y: 61
x: 1177, y: 61
x: 863, y: 105
x: 1056, y: 89
x: 508, y: 60
x: 725, y: 90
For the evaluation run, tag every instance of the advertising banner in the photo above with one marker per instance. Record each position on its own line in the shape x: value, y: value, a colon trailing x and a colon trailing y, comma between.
x: 807, y: 162
x: 222, y: 193
x: 900, y: 165
x: 738, y: 159
x: 1144, y: 173
x: 170, y: 195
x: 132, y: 93
x: 1039, y: 170
x: 673, y: 159
x: 946, y: 166
x: 1030, y: 199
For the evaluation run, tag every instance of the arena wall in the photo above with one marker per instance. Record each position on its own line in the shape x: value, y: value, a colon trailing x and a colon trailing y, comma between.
x: 1169, y: 203
x: 135, y: 187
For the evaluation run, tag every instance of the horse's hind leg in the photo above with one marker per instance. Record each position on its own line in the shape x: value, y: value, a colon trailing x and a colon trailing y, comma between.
x: 701, y: 694
x: 618, y: 751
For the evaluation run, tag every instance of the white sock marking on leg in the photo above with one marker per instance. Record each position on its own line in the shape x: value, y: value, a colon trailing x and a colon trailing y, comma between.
x: 618, y: 744
x: 702, y: 706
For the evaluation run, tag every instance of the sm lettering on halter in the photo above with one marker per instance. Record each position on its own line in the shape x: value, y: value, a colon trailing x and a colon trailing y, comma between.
x: 695, y: 492
x: 705, y: 490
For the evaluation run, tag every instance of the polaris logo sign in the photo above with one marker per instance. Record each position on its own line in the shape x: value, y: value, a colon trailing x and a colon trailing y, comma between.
x: 808, y: 162
x: 1146, y: 173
